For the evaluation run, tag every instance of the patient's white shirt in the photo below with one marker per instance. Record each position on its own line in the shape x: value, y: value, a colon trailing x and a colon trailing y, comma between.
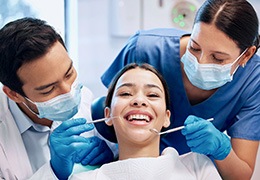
x: 167, y: 166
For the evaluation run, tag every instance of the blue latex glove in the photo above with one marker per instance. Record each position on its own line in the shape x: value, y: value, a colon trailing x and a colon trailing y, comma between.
x: 202, y: 137
x: 68, y: 147
x: 98, y: 154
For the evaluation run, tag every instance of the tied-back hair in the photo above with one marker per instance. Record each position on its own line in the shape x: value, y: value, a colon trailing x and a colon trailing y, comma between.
x: 236, y: 18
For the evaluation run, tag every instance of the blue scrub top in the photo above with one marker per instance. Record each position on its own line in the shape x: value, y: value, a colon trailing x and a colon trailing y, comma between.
x: 235, y: 106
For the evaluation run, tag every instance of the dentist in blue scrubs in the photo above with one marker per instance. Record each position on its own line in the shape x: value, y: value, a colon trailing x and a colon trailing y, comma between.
x: 212, y: 73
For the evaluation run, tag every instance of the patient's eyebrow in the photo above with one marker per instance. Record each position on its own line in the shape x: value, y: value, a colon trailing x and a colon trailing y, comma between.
x: 153, y: 86
x: 126, y: 84
x: 133, y: 85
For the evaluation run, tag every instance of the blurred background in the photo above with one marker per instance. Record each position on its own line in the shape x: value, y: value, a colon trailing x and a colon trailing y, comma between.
x: 96, y: 30
x: 105, y: 25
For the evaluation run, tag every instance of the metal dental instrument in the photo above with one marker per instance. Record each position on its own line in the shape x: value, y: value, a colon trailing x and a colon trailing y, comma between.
x: 172, y: 130
x: 100, y: 120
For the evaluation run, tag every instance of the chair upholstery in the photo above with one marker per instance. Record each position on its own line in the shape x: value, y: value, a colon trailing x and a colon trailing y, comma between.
x: 97, y: 112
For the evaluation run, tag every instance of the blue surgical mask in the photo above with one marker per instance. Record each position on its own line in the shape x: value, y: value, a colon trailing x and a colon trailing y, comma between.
x: 62, y: 107
x: 207, y: 76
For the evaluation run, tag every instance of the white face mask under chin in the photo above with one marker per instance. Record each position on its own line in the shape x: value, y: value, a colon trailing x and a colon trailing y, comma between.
x: 207, y: 76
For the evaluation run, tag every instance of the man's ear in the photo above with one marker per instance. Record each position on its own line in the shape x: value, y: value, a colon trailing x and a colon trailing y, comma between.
x: 167, y: 121
x: 13, y: 95
x: 107, y: 115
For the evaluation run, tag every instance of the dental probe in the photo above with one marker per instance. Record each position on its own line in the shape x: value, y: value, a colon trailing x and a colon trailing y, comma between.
x: 100, y: 120
x: 174, y: 129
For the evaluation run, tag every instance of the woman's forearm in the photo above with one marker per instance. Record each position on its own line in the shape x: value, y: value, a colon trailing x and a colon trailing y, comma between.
x: 232, y: 167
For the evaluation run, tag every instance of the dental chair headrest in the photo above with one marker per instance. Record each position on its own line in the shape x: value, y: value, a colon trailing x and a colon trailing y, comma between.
x: 97, y: 112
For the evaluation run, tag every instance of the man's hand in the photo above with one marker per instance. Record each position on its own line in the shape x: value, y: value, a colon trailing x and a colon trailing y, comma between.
x: 68, y: 147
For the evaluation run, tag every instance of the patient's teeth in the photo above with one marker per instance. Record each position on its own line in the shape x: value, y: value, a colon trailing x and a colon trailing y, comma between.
x: 139, y: 117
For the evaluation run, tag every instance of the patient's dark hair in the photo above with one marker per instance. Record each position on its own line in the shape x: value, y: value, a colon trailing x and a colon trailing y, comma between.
x: 128, y: 67
x: 23, y: 41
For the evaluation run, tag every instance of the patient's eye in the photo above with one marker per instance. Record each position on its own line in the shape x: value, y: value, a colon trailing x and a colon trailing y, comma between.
x: 153, y: 95
x: 125, y: 94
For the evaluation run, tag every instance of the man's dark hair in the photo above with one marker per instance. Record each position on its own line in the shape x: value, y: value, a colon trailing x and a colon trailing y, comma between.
x: 23, y: 41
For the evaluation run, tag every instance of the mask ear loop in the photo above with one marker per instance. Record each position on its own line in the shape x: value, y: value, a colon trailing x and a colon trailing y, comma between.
x: 243, y: 65
x: 30, y: 108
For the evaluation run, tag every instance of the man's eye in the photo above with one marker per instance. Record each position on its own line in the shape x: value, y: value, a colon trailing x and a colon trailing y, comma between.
x: 69, y: 75
x: 48, y: 92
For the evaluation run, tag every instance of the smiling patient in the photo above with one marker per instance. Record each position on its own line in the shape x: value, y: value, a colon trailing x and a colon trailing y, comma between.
x: 139, y: 97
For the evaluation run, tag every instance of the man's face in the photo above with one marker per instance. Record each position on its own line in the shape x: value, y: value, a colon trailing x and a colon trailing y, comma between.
x: 48, y: 76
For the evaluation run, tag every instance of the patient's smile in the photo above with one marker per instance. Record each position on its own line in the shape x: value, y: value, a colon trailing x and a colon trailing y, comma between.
x: 138, y: 117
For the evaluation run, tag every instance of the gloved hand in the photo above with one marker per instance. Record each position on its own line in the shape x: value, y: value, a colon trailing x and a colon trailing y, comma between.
x: 98, y: 154
x: 68, y: 147
x: 202, y: 137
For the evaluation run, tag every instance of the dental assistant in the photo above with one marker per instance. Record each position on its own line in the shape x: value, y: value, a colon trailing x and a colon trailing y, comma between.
x: 40, y: 90
x: 211, y: 73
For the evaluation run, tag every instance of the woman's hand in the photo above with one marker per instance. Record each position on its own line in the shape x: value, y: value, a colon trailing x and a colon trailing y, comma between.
x: 202, y: 137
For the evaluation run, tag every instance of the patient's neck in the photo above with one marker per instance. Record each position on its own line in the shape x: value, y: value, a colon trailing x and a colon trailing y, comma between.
x: 130, y: 150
